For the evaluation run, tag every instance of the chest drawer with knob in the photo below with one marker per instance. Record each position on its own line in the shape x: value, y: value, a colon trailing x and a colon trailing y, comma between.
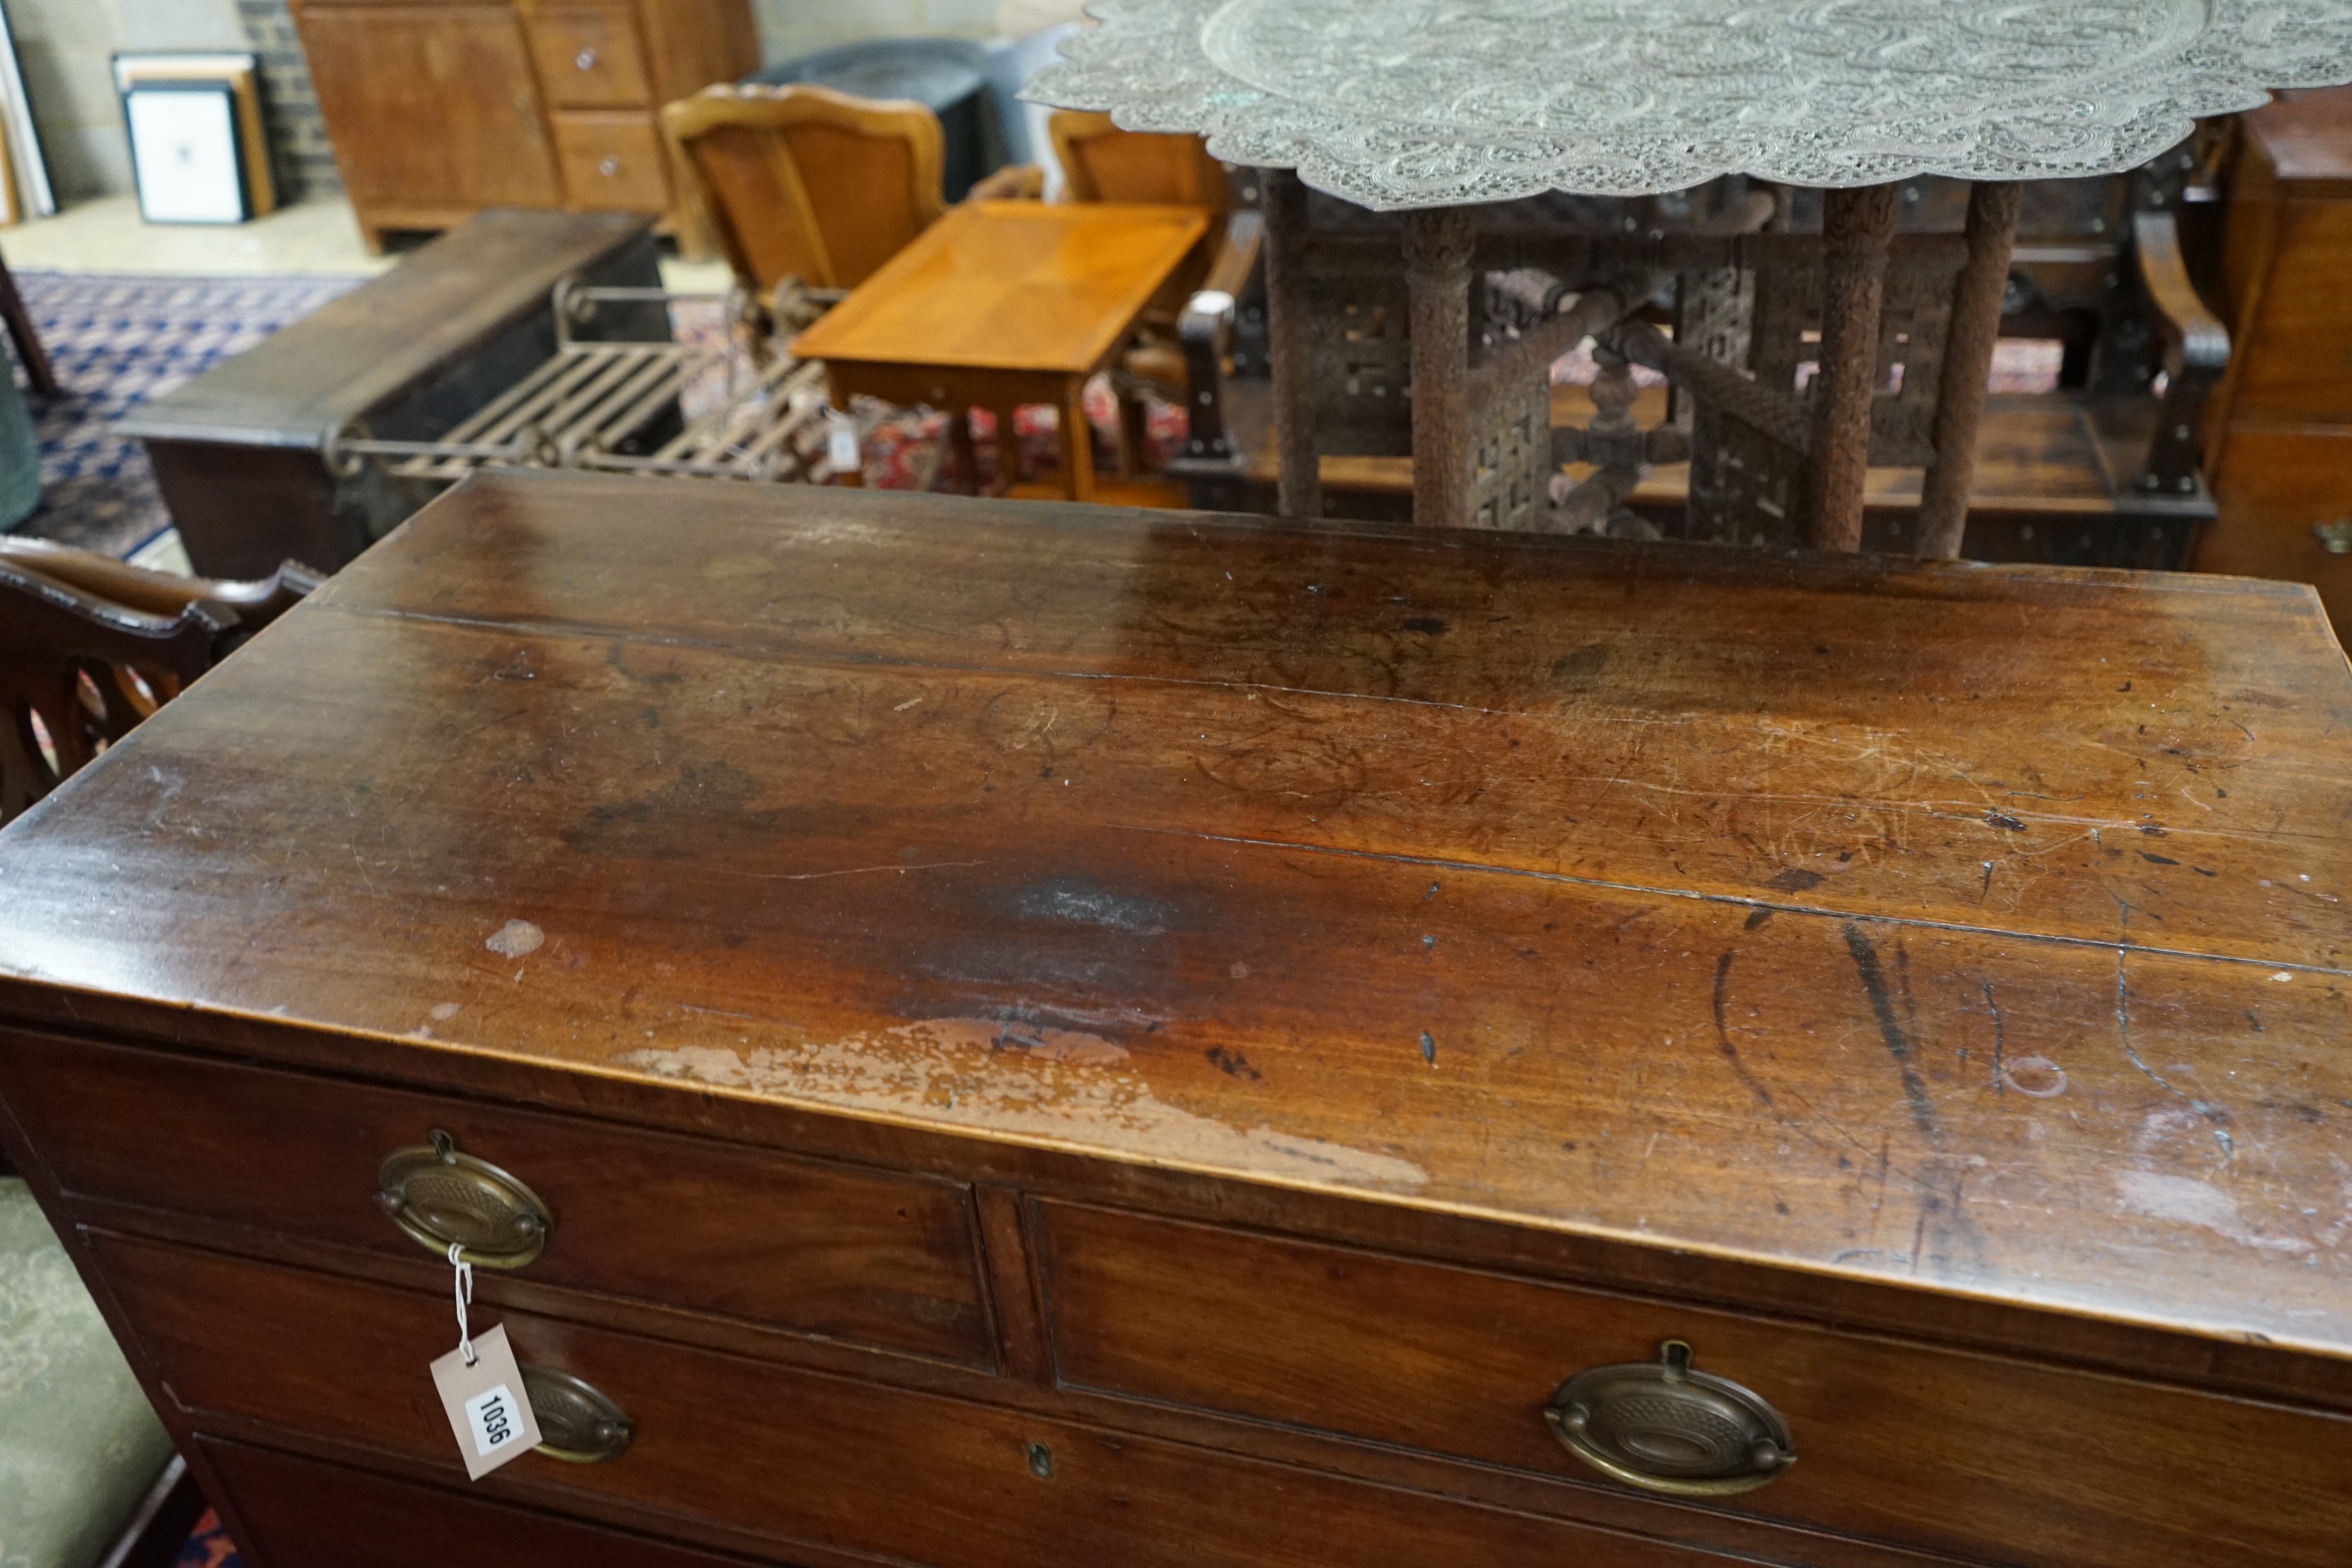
x: 771, y: 1460
x: 1907, y: 1443
x: 611, y: 162
x: 876, y: 1259
x: 587, y: 57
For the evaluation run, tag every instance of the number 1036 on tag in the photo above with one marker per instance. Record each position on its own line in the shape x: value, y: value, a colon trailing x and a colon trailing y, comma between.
x: 492, y: 1418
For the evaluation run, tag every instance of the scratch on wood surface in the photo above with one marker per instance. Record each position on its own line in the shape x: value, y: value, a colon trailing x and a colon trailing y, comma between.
x: 844, y: 871
x: 2214, y: 1113
x: 1890, y: 1029
x: 1019, y: 1082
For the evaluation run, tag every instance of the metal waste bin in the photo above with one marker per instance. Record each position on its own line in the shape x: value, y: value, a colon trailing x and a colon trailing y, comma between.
x: 949, y: 76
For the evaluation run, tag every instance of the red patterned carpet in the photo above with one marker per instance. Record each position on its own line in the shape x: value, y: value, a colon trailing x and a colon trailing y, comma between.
x: 207, y: 1547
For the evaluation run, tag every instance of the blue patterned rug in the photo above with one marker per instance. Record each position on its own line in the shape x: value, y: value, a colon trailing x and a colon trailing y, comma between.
x: 117, y: 341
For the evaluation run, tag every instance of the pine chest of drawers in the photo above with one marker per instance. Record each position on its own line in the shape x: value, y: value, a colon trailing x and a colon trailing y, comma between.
x: 980, y: 1034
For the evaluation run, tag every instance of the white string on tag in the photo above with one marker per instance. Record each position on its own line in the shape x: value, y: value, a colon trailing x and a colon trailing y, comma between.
x: 462, y: 1287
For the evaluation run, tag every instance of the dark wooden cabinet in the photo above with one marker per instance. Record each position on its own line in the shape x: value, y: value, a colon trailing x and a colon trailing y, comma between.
x: 440, y: 107
x: 2279, y: 434
x: 1039, y: 1036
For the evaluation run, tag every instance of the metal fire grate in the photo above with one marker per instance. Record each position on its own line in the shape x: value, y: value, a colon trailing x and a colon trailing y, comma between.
x: 620, y: 407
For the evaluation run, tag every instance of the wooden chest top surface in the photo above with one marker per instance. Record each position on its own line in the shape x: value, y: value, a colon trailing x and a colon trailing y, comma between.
x: 1976, y: 929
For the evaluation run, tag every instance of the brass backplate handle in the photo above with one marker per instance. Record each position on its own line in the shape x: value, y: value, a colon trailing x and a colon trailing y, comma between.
x: 1665, y: 1427
x: 441, y: 1198
x: 577, y: 1423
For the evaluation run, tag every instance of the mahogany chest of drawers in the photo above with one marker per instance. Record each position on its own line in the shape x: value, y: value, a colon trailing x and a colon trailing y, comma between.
x: 987, y: 1035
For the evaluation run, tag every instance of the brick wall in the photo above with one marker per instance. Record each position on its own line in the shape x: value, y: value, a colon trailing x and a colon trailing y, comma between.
x: 299, y: 154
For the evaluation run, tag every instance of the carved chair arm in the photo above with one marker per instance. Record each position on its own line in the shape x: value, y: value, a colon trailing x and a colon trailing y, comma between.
x: 1013, y: 182
x: 251, y: 606
x: 1206, y: 329
x: 2195, y: 353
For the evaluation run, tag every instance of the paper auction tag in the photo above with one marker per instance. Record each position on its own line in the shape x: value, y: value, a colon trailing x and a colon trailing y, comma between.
x: 486, y: 1403
x: 842, y: 447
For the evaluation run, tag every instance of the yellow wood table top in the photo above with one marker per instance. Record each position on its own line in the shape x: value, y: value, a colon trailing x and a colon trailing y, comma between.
x: 1012, y: 286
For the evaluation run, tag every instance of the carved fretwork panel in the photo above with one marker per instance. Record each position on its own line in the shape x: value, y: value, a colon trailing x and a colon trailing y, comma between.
x: 1515, y: 463
x: 1748, y: 487
x: 1745, y: 486
x: 1359, y: 339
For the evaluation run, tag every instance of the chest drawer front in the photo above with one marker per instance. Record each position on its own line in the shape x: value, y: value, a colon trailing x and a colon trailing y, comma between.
x: 588, y: 57
x: 612, y: 163
x: 790, y: 1456
x: 1968, y: 1454
x: 877, y: 1259
x: 294, y: 1512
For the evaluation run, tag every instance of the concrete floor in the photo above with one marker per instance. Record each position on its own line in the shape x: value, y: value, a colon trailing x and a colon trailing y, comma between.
x: 315, y: 237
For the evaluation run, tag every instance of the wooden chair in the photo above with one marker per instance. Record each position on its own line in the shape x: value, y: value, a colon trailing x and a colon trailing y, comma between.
x: 1102, y: 163
x: 89, y: 647
x: 808, y: 191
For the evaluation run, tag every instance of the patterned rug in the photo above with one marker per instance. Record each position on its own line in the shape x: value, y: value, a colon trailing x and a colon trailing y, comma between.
x: 116, y: 342
x: 208, y: 1548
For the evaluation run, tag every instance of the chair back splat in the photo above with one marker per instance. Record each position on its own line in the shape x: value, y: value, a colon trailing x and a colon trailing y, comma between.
x: 89, y: 647
x: 808, y: 184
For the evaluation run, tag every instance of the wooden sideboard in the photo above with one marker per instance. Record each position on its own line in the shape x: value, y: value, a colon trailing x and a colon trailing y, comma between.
x: 440, y: 107
x: 1002, y: 1036
x: 2278, y: 437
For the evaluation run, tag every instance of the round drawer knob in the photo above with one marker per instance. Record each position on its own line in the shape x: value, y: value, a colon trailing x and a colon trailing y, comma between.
x: 585, y: 60
x: 442, y: 1198
x: 609, y: 167
x: 577, y: 1421
x: 2335, y: 538
x: 1663, y: 1427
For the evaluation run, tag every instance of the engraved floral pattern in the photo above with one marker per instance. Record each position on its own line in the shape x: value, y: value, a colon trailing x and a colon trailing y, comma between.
x: 1407, y: 103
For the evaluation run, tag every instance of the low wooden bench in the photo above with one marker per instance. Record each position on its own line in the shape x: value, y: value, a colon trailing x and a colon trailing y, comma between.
x: 242, y: 451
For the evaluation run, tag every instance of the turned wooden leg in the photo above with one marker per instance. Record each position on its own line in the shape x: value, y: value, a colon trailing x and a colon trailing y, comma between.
x: 1969, y: 344
x: 1437, y: 246
x: 1301, y: 482
x: 1077, y: 443
x: 1859, y: 227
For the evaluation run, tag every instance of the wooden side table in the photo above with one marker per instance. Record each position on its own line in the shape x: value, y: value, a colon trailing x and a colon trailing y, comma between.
x: 1001, y: 304
x: 1440, y: 112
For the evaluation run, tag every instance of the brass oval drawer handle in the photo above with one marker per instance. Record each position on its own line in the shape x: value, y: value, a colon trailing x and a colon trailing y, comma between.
x: 1665, y: 1428
x: 442, y: 1198
x: 577, y: 1423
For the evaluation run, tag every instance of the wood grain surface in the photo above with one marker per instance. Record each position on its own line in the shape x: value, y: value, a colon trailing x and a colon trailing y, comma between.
x: 1980, y: 930
x: 1012, y: 286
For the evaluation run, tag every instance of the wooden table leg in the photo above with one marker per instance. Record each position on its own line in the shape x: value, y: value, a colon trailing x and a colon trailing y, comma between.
x: 1077, y: 443
x: 1300, y: 488
x: 959, y: 448
x: 1437, y: 247
x: 1008, y: 447
x: 1859, y: 227
x: 1969, y: 343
